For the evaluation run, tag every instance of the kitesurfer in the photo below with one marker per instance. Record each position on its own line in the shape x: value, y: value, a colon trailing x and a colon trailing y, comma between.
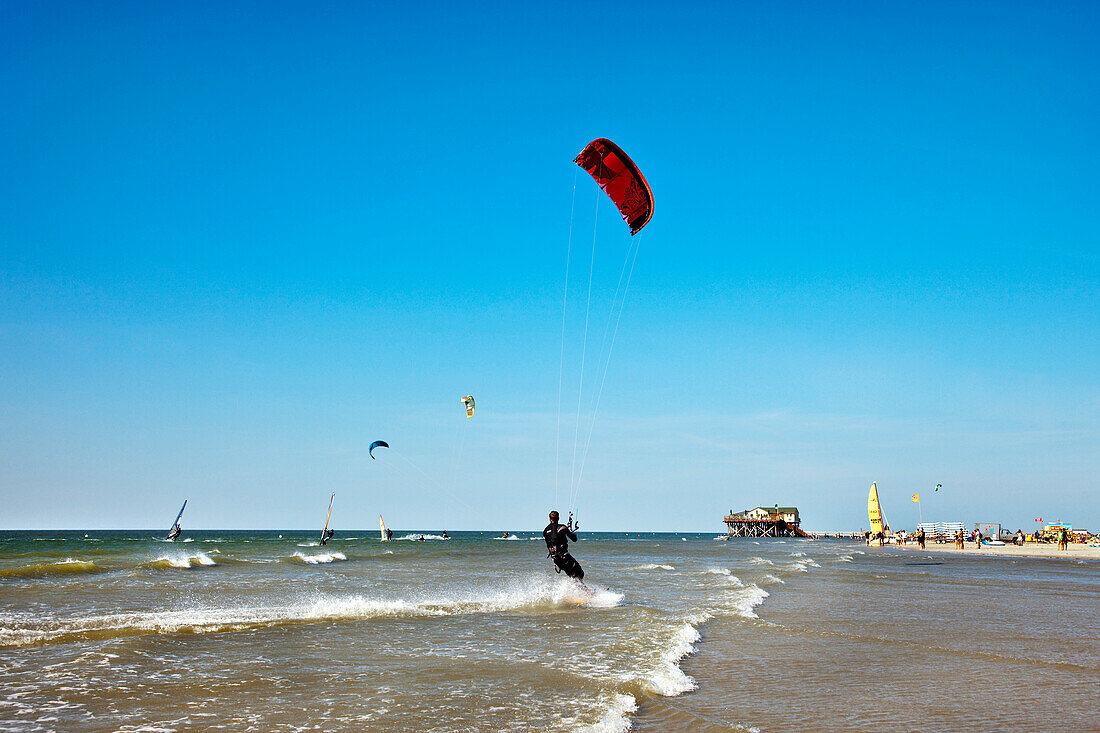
x: 557, y: 538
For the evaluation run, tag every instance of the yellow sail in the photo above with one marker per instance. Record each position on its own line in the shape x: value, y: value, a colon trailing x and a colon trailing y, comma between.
x: 382, y: 525
x: 874, y: 513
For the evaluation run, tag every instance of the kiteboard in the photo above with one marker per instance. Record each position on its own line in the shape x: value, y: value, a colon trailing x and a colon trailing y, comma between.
x: 581, y: 596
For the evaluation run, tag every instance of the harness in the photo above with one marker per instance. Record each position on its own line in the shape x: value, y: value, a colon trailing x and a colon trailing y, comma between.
x: 556, y: 552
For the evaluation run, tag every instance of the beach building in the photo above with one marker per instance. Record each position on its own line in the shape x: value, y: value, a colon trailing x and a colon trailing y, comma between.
x: 761, y: 521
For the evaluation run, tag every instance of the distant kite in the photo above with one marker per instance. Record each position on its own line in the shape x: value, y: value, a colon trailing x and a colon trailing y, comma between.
x: 468, y: 400
x: 377, y: 444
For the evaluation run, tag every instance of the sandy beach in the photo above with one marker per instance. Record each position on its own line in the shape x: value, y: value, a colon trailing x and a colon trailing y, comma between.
x: 1031, y: 549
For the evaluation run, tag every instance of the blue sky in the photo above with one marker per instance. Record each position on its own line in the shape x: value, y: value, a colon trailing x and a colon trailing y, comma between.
x: 238, y: 242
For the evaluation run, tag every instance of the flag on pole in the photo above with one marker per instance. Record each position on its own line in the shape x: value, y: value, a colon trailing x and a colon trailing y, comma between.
x: 916, y: 498
x: 1039, y: 519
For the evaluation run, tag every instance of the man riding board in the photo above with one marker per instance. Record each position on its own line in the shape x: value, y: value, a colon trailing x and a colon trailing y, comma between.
x: 557, y: 538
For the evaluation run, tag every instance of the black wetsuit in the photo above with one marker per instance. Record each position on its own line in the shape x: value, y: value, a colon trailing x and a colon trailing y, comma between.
x: 557, y: 538
x: 327, y: 536
x: 174, y: 533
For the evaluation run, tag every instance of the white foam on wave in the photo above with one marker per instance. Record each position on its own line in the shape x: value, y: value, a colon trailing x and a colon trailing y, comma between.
x: 803, y: 565
x: 653, y: 566
x: 667, y: 679
x: 320, y: 558
x: 617, y: 717
x: 418, y: 536
x: 606, y: 598
x: 183, y: 562
x: 798, y: 554
x: 844, y: 558
x: 772, y: 579
x: 527, y: 592
x: 748, y: 597
x: 756, y: 560
x: 716, y: 571
x: 309, y: 544
x: 189, y: 539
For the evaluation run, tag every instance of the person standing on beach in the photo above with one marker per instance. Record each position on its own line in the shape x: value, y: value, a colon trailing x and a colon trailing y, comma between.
x: 1063, y: 539
x: 977, y: 539
x: 920, y: 537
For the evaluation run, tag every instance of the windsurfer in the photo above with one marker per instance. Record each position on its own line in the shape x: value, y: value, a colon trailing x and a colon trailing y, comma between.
x: 557, y: 538
x: 327, y: 536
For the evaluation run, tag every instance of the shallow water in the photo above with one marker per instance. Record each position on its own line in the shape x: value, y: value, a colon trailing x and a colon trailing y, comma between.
x: 267, y: 631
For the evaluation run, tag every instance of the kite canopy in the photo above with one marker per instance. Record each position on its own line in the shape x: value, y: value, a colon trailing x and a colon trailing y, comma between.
x: 377, y: 444
x: 468, y: 400
x: 620, y: 179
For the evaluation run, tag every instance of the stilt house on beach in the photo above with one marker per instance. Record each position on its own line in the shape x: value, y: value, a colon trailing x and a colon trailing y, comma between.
x: 765, y: 521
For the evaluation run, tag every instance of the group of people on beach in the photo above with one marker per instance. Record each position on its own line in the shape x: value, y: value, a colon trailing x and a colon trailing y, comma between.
x: 1061, y: 536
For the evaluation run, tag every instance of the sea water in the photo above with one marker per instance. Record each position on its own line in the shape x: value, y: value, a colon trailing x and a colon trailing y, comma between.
x: 268, y: 631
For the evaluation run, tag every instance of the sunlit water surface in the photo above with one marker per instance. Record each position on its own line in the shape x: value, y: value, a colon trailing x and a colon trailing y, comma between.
x: 266, y: 631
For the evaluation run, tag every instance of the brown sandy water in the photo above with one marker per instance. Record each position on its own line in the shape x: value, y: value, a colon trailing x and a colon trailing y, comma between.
x: 253, y: 631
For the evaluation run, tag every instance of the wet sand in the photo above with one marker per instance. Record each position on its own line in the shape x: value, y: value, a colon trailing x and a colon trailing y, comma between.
x: 1030, y: 549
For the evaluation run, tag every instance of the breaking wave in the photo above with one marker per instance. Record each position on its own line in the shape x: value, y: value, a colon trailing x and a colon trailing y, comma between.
x: 617, y: 718
x: 747, y: 599
x: 318, y: 559
x: 653, y: 566
x: 68, y: 566
x: 182, y: 562
x: 803, y: 565
x: 526, y: 593
x: 667, y: 679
